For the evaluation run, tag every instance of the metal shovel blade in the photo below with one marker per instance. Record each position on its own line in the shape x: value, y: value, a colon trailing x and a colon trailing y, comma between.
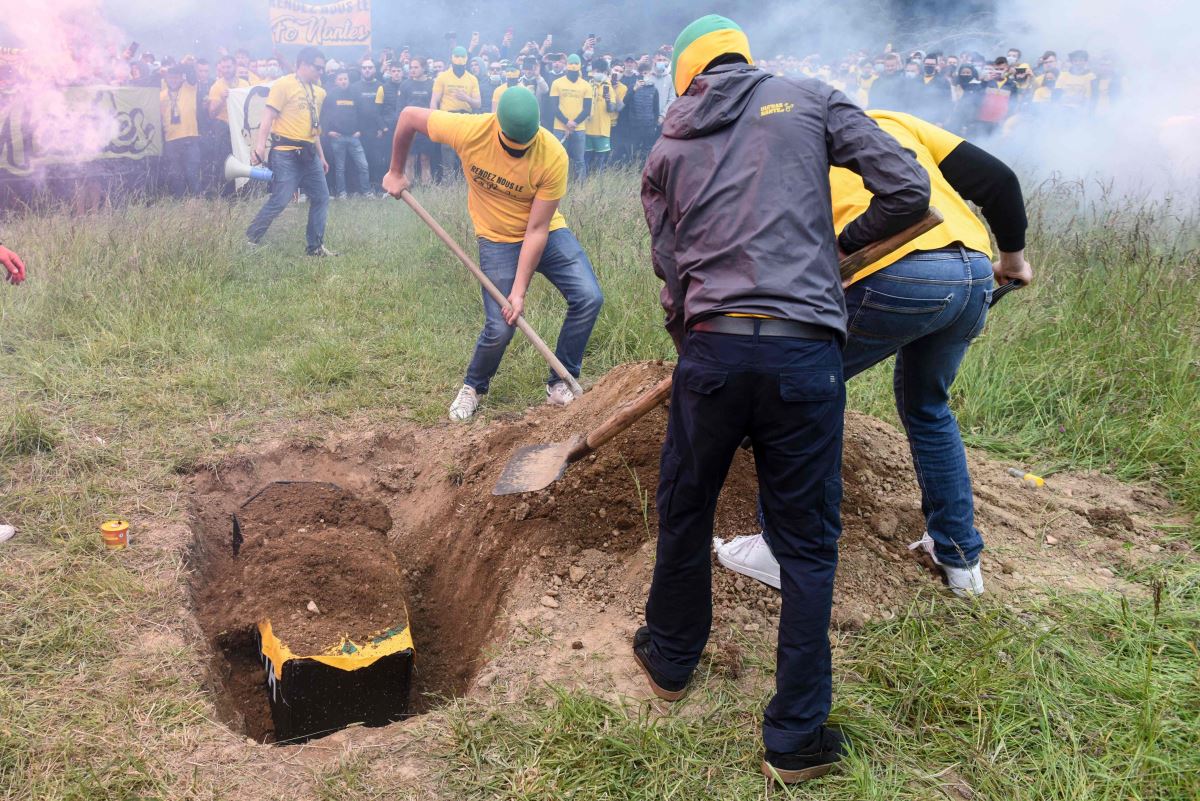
x: 535, y: 467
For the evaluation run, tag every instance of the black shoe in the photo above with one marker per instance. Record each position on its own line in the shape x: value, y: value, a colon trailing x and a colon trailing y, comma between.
x: 815, y: 759
x: 664, y: 688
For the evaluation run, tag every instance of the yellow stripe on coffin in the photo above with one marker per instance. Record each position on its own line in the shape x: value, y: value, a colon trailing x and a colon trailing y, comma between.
x: 347, y: 655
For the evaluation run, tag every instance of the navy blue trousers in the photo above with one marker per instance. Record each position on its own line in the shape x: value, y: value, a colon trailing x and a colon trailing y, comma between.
x: 788, y: 396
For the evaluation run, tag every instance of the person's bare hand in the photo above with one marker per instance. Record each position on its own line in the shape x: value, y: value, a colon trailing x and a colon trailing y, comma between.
x: 516, y: 307
x: 13, y: 266
x: 324, y: 164
x: 395, y: 183
x: 1013, y: 267
x: 258, y: 155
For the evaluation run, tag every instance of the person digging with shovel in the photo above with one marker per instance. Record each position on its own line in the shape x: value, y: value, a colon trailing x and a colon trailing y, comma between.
x: 925, y: 303
x: 736, y: 196
x: 516, y: 175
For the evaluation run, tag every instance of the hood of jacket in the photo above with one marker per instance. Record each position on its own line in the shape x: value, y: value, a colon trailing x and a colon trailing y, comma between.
x: 716, y: 99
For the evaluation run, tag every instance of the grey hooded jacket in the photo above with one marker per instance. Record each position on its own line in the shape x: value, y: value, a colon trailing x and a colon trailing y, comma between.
x: 736, y: 194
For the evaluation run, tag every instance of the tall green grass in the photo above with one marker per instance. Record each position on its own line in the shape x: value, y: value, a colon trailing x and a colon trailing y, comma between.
x: 1071, y: 698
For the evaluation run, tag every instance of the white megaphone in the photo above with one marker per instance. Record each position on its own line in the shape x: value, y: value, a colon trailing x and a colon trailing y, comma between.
x: 240, y: 169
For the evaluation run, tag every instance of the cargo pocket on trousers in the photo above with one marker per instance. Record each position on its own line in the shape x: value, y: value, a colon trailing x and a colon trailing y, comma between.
x: 810, y: 385
x: 668, y: 472
x: 703, y: 380
x: 831, y: 513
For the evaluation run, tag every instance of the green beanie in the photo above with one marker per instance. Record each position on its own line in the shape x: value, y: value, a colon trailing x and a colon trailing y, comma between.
x: 518, y: 114
x: 700, y: 43
x: 573, y: 59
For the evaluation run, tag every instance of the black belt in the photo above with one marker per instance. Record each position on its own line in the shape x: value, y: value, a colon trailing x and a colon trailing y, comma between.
x: 749, y: 326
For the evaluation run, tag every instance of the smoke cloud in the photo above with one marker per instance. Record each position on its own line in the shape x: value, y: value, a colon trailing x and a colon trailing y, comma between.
x: 66, y: 43
x: 1147, y: 139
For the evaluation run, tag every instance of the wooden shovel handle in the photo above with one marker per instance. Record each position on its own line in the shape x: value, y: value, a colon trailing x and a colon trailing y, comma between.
x: 557, y: 366
x: 877, y: 250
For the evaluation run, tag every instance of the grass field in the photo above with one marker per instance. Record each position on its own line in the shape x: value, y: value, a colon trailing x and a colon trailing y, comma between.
x: 148, y: 340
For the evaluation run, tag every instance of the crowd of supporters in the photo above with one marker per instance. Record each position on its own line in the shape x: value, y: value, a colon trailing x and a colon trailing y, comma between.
x: 605, y: 104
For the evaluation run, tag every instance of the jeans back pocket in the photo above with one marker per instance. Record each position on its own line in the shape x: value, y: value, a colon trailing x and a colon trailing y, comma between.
x: 895, y: 318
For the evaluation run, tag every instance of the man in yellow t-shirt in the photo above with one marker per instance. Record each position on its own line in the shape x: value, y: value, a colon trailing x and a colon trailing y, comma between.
x: 571, y: 104
x: 925, y: 303
x: 516, y: 174
x: 293, y: 119
x: 608, y: 98
x: 179, y: 104
x: 455, y: 90
x: 512, y: 77
x: 1076, y: 86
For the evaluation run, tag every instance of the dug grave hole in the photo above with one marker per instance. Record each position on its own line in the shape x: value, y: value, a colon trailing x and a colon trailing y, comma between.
x: 466, y: 563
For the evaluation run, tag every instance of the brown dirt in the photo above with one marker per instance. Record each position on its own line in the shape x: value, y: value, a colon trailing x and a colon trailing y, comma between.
x: 302, y: 542
x: 549, y: 585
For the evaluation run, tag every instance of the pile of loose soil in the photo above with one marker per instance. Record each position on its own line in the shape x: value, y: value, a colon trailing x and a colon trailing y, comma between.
x: 313, y: 558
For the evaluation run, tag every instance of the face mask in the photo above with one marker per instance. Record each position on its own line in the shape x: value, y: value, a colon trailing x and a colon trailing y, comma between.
x: 930, y: 69
x: 513, y: 81
x: 963, y: 80
x: 660, y: 68
x: 458, y: 69
x: 599, y: 77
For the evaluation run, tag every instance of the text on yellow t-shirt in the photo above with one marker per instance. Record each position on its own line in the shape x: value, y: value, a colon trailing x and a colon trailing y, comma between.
x: 501, y: 188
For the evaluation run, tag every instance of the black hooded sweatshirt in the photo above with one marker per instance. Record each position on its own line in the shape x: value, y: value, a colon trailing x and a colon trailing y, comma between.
x: 736, y: 194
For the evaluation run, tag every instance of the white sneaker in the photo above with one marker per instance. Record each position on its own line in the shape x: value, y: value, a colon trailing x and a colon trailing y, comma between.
x: 963, y: 581
x: 559, y: 394
x: 466, y: 403
x: 750, y: 556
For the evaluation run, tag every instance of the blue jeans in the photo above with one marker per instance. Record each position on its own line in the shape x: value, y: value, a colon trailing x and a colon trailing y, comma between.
x: 339, y: 148
x: 567, y: 267
x: 293, y: 172
x: 789, y: 397
x: 576, y: 146
x: 926, y: 308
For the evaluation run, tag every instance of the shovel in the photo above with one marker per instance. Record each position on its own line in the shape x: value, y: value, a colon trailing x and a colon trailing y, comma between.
x: 536, y: 467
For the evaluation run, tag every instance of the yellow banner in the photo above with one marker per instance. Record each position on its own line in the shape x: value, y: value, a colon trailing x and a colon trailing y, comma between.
x: 337, y: 24
x: 93, y: 122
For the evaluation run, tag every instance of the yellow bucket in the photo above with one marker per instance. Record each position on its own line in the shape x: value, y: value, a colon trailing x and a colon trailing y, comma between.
x: 115, y: 534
